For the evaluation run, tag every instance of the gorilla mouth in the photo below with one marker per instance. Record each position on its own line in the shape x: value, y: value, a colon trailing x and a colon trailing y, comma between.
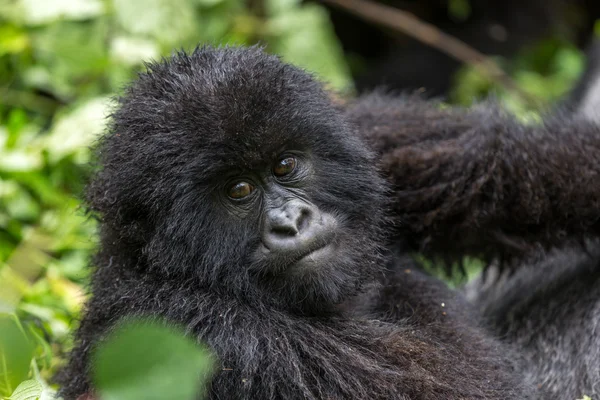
x: 314, y: 256
x: 281, y: 262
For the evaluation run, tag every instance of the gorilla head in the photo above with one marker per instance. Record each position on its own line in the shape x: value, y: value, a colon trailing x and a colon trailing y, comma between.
x: 233, y: 168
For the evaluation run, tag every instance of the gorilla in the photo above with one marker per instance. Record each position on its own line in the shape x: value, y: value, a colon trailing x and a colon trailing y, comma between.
x: 278, y: 227
x: 525, y: 198
x: 549, y: 307
x: 236, y: 199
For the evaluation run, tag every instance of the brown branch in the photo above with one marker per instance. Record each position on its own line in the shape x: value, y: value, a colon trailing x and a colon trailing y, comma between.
x: 412, y: 26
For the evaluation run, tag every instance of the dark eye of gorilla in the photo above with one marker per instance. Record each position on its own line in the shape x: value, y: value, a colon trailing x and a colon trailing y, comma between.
x: 240, y: 190
x: 284, y: 166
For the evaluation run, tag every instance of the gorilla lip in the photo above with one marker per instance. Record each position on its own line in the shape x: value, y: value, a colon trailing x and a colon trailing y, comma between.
x: 313, y: 255
x: 292, y: 259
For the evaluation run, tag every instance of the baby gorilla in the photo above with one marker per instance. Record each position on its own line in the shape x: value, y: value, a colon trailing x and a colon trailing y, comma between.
x: 237, y: 201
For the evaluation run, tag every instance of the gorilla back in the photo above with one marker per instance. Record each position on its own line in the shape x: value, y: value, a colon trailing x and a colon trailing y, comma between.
x: 237, y: 201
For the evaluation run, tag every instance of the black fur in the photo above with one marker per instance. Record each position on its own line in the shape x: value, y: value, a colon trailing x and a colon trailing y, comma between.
x: 549, y: 308
x: 171, y: 247
x: 478, y: 182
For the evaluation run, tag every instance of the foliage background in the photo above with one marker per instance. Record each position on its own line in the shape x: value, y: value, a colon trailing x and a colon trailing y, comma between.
x: 60, y: 63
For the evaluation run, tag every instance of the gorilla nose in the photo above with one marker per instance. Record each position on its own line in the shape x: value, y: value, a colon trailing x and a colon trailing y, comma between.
x: 296, y: 226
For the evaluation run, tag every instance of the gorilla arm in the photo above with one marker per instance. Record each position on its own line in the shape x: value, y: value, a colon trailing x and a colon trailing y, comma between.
x: 477, y: 181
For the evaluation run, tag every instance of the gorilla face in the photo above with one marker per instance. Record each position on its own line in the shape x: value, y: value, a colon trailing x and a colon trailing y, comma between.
x: 230, y: 167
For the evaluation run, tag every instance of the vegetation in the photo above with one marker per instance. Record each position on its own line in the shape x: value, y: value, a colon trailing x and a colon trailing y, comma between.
x: 61, y: 61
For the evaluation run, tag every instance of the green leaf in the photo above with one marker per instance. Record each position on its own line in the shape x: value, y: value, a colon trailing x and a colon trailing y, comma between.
x: 155, y: 18
x: 16, y: 353
x: 75, y: 132
x: 33, y: 389
x: 17, y: 120
x: 28, y: 390
x: 21, y: 206
x: 208, y: 3
x: 460, y: 10
x: 148, y: 360
x: 42, y: 12
x: 41, y: 186
x: 303, y: 36
x: 71, y: 57
x: 129, y: 50
x: 43, y: 349
x: 279, y: 7
x: 20, y: 160
x: 12, y: 11
x: 12, y: 39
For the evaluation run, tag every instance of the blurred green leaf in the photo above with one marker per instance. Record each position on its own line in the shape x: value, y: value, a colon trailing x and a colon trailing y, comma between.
x: 44, y: 350
x: 74, y: 132
x: 19, y: 203
x: 168, y: 21
x: 28, y: 390
x: 545, y: 71
x: 21, y: 160
x: 130, y: 50
x: 12, y: 39
x: 42, y: 12
x: 208, y: 3
x: 12, y: 10
x: 17, y: 120
x: 279, y: 7
x: 12, y: 288
x: 72, y: 57
x: 304, y: 37
x: 460, y: 10
x: 148, y: 360
x: 16, y: 353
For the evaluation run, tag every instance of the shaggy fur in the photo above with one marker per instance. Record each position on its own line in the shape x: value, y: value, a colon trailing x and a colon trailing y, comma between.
x: 550, y: 306
x: 550, y: 309
x: 171, y: 246
x: 477, y: 181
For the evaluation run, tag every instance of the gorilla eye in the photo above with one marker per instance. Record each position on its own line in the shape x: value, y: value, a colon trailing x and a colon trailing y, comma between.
x: 284, y: 166
x: 240, y: 190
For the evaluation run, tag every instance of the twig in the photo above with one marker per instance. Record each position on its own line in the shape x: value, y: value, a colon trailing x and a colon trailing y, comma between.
x: 410, y: 25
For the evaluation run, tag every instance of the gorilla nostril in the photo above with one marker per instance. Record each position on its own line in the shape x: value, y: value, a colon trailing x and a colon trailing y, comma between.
x: 303, y: 219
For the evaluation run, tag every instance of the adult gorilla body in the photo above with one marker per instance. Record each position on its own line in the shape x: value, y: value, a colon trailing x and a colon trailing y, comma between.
x: 238, y: 202
x: 477, y: 182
